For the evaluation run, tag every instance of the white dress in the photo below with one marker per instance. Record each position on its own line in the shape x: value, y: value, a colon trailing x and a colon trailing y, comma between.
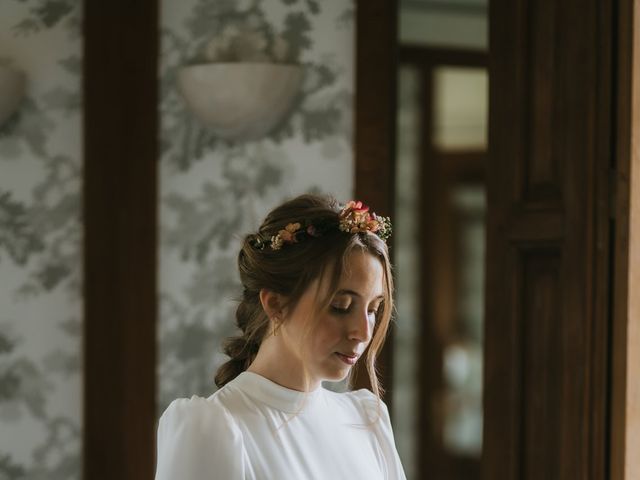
x: 255, y: 429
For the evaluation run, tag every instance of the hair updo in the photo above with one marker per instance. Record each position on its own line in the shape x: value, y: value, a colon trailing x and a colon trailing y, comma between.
x: 290, y: 270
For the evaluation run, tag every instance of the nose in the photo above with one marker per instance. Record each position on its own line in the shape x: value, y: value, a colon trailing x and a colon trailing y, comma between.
x: 360, y: 327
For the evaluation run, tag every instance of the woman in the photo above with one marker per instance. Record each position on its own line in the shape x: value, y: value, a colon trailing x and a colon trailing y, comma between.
x: 317, y: 292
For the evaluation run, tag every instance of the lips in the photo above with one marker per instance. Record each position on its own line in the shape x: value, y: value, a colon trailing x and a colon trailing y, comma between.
x: 349, y: 359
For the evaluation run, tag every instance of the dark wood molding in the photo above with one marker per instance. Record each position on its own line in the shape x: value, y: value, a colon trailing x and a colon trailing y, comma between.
x: 375, y: 113
x: 465, y: 166
x: 447, y: 7
x: 428, y: 453
x: 428, y: 56
x: 120, y: 154
x: 601, y: 271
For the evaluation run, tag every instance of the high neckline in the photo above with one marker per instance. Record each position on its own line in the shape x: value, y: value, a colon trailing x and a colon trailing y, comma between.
x: 275, y: 395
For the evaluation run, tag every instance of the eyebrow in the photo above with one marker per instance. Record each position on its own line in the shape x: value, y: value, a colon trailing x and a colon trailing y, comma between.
x: 352, y: 292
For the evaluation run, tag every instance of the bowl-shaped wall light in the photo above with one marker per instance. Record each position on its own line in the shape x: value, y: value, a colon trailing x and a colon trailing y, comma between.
x: 240, y: 101
x: 12, y: 87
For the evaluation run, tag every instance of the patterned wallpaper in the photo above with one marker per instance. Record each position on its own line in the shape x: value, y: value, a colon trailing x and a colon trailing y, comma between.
x: 212, y: 191
x: 40, y: 245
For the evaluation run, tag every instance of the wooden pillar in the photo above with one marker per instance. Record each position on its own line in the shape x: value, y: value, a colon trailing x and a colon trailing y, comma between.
x: 120, y: 152
x: 375, y: 113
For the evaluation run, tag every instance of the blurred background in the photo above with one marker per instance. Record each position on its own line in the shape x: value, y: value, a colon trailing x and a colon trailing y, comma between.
x: 442, y: 117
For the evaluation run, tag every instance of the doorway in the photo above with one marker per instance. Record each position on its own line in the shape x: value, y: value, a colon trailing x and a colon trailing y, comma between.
x: 440, y: 231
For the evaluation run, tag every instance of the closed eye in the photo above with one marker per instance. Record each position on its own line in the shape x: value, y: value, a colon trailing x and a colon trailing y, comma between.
x: 340, y: 311
x: 344, y: 310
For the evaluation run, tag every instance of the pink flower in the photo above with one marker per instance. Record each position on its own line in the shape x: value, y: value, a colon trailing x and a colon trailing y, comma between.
x: 356, y: 206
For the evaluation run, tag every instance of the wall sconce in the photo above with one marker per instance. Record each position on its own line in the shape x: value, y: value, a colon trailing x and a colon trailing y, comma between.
x: 12, y: 88
x: 240, y: 100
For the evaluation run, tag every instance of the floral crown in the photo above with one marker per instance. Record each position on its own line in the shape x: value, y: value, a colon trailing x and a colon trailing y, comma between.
x: 354, y: 217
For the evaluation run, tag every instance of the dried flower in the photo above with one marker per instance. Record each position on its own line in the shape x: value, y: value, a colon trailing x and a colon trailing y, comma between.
x: 354, y: 217
x: 287, y: 235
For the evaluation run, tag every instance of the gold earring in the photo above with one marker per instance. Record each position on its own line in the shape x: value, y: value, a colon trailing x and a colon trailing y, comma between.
x: 275, y: 324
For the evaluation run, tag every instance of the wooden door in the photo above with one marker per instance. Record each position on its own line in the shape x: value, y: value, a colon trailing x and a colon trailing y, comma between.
x: 548, y: 240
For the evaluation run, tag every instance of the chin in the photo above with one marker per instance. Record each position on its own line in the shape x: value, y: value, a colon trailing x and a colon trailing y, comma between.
x: 337, y: 375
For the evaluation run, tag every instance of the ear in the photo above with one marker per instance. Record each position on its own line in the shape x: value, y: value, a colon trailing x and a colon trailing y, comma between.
x: 272, y: 303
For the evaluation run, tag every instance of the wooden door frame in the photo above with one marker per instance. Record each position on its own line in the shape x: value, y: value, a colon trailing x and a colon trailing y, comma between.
x: 119, y: 194
x: 625, y: 367
x: 374, y: 141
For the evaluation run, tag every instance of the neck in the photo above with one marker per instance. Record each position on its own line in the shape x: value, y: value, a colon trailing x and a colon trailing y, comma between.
x: 282, y: 366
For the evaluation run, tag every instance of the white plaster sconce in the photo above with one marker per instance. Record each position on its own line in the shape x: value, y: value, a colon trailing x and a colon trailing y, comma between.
x: 12, y: 88
x: 240, y: 100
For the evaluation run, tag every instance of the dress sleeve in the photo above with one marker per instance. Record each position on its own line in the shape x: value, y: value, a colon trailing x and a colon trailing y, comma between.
x: 198, y: 440
x: 379, y: 412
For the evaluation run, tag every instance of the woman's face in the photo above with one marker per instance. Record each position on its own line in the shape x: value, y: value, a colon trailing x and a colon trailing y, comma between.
x: 339, y: 334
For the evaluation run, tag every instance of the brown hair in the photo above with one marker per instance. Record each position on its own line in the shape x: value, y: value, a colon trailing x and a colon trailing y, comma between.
x: 290, y: 270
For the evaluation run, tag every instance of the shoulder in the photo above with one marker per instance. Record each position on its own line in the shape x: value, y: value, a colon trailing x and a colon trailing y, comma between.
x: 368, y: 401
x: 197, y: 436
x: 196, y: 416
x: 365, y: 397
x: 368, y: 406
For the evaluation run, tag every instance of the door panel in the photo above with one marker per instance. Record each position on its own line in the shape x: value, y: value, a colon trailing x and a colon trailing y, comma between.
x: 546, y: 331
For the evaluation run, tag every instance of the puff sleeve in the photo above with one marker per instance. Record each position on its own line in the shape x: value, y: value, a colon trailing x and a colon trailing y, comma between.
x: 198, y: 440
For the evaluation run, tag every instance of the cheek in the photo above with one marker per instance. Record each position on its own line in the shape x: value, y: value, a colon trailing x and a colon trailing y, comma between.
x: 328, y: 334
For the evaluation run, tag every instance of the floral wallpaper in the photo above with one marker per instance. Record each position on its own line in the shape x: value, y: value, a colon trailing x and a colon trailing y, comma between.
x: 212, y: 190
x: 40, y: 244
